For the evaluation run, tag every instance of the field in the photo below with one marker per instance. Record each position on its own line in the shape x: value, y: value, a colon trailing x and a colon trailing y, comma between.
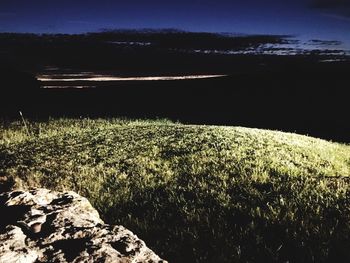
x: 194, y: 193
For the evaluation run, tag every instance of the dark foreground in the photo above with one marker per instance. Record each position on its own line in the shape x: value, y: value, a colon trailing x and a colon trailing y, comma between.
x: 304, y: 93
x: 314, y: 105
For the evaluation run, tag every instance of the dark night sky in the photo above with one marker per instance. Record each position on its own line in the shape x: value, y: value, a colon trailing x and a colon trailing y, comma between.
x: 323, y: 19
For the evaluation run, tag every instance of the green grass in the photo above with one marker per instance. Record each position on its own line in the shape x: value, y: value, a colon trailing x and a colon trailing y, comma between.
x: 195, y: 193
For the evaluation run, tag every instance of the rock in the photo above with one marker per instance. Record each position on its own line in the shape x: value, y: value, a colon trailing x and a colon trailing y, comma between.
x: 46, y: 226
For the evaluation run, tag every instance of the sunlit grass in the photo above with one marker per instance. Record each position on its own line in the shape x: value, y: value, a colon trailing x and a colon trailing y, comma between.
x: 195, y: 193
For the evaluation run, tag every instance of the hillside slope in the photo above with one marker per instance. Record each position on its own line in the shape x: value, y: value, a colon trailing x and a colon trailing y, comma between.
x: 195, y: 193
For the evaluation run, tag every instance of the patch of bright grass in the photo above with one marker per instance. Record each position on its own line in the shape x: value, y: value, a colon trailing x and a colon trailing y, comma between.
x: 195, y: 193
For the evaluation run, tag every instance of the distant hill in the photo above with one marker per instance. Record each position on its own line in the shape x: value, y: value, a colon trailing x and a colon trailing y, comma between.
x: 271, y: 81
x: 162, y: 51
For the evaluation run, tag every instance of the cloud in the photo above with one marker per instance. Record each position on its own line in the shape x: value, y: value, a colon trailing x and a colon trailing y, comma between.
x: 344, y: 17
x: 339, y: 9
x: 331, y: 3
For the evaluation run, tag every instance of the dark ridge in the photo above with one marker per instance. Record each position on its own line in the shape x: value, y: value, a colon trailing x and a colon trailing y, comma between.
x: 297, y: 93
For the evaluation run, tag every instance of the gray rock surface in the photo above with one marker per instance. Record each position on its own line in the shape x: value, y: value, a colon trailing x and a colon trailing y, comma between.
x: 46, y: 226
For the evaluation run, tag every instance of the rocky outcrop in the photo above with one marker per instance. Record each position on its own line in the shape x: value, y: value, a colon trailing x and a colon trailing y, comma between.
x: 46, y: 226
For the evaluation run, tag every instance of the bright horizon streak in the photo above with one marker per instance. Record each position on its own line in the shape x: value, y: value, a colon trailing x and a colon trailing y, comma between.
x: 67, y: 87
x: 131, y: 78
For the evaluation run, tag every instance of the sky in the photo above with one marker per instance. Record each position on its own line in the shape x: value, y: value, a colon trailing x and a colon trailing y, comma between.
x: 308, y: 19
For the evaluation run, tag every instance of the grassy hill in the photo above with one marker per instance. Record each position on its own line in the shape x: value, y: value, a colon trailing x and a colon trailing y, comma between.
x: 195, y: 193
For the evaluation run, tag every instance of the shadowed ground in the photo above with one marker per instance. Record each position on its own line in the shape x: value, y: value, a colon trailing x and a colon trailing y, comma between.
x: 297, y: 92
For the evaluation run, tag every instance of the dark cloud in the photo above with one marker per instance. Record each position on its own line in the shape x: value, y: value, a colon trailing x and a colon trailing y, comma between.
x: 339, y: 9
x: 331, y: 3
